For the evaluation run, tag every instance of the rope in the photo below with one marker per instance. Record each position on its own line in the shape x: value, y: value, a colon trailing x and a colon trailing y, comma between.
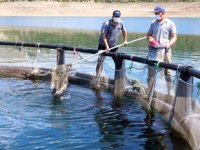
x: 177, y: 75
x: 198, y: 85
x: 75, y: 52
x: 38, y: 44
x: 36, y: 60
x: 35, y: 70
x: 131, y: 57
x: 130, y: 69
x: 156, y: 66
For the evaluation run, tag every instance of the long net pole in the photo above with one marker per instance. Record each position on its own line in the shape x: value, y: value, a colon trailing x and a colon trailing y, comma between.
x: 102, y: 51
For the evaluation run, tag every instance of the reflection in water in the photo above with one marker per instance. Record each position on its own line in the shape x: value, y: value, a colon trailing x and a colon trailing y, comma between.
x: 112, y: 123
x: 155, y: 139
x: 58, y: 114
x: 122, y: 123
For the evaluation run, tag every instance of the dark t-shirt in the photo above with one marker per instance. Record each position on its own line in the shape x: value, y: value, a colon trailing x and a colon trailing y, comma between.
x: 111, y: 32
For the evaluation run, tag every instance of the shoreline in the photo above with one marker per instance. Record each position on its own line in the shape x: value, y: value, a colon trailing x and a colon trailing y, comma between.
x: 92, y: 9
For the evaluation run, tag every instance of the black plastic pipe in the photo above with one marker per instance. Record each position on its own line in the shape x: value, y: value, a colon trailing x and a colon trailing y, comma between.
x: 189, y: 69
x: 51, y: 46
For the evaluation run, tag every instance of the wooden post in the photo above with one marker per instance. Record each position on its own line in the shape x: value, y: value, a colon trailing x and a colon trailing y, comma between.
x: 120, y: 76
x: 60, y: 57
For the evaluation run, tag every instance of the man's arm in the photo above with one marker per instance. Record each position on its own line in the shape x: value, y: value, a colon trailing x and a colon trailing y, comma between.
x: 125, y: 36
x: 104, y: 30
x: 172, y: 40
x: 150, y: 33
x: 149, y: 37
x: 173, y: 37
x: 105, y: 40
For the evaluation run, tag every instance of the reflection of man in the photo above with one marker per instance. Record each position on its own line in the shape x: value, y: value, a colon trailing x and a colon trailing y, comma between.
x: 110, y: 32
x: 113, y: 122
x: 161, y: 36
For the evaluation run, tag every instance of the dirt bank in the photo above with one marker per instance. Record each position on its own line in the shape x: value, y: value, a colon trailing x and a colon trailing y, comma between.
x: 95, y: 9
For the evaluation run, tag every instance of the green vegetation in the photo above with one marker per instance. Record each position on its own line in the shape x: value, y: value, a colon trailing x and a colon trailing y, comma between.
x: 188, y: 43
x: 84, y: 38
x: 52, y: 36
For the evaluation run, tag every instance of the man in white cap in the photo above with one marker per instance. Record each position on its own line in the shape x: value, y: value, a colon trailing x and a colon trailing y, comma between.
x: 108, y: 38
x: 161, y: 36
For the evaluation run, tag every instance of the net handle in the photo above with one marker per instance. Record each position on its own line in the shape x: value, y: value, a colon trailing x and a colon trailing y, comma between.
x: 102, y: 51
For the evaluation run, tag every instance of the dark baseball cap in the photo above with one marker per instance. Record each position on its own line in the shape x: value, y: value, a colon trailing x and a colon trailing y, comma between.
x: 116, y: 13
x: 159, y: 9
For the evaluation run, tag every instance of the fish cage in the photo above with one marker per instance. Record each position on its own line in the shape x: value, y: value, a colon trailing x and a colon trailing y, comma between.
x: 124, y: 75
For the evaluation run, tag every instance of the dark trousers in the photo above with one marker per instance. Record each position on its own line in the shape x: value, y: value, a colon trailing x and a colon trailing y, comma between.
x: 101, y: 59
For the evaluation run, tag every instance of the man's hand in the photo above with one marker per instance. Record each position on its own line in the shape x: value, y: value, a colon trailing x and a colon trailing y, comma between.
x: 107, y: 48
x: 151, y: 39
x: 125, y: 43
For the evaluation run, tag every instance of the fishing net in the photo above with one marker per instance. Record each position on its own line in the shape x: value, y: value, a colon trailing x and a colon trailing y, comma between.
x: 59, y: 80
x: 33, y: 57
x: 136, y: 73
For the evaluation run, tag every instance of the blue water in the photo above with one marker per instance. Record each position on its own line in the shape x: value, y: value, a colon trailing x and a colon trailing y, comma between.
x: 133, y: 24
x: 31, y: 119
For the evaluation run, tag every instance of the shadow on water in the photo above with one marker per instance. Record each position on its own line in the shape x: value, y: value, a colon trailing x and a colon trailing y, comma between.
x: 112, y: 123
x: 159, y: 140
x: 125, y: 125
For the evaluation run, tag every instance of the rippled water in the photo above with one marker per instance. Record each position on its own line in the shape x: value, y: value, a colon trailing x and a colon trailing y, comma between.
x: 31, y: 119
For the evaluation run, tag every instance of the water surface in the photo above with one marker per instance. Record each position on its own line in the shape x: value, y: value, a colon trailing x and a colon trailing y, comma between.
x: 133, y: 24
x: 31, y: 119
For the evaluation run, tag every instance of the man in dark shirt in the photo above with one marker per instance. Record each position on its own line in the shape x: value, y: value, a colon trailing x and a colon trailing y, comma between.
x: 110, y: 33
